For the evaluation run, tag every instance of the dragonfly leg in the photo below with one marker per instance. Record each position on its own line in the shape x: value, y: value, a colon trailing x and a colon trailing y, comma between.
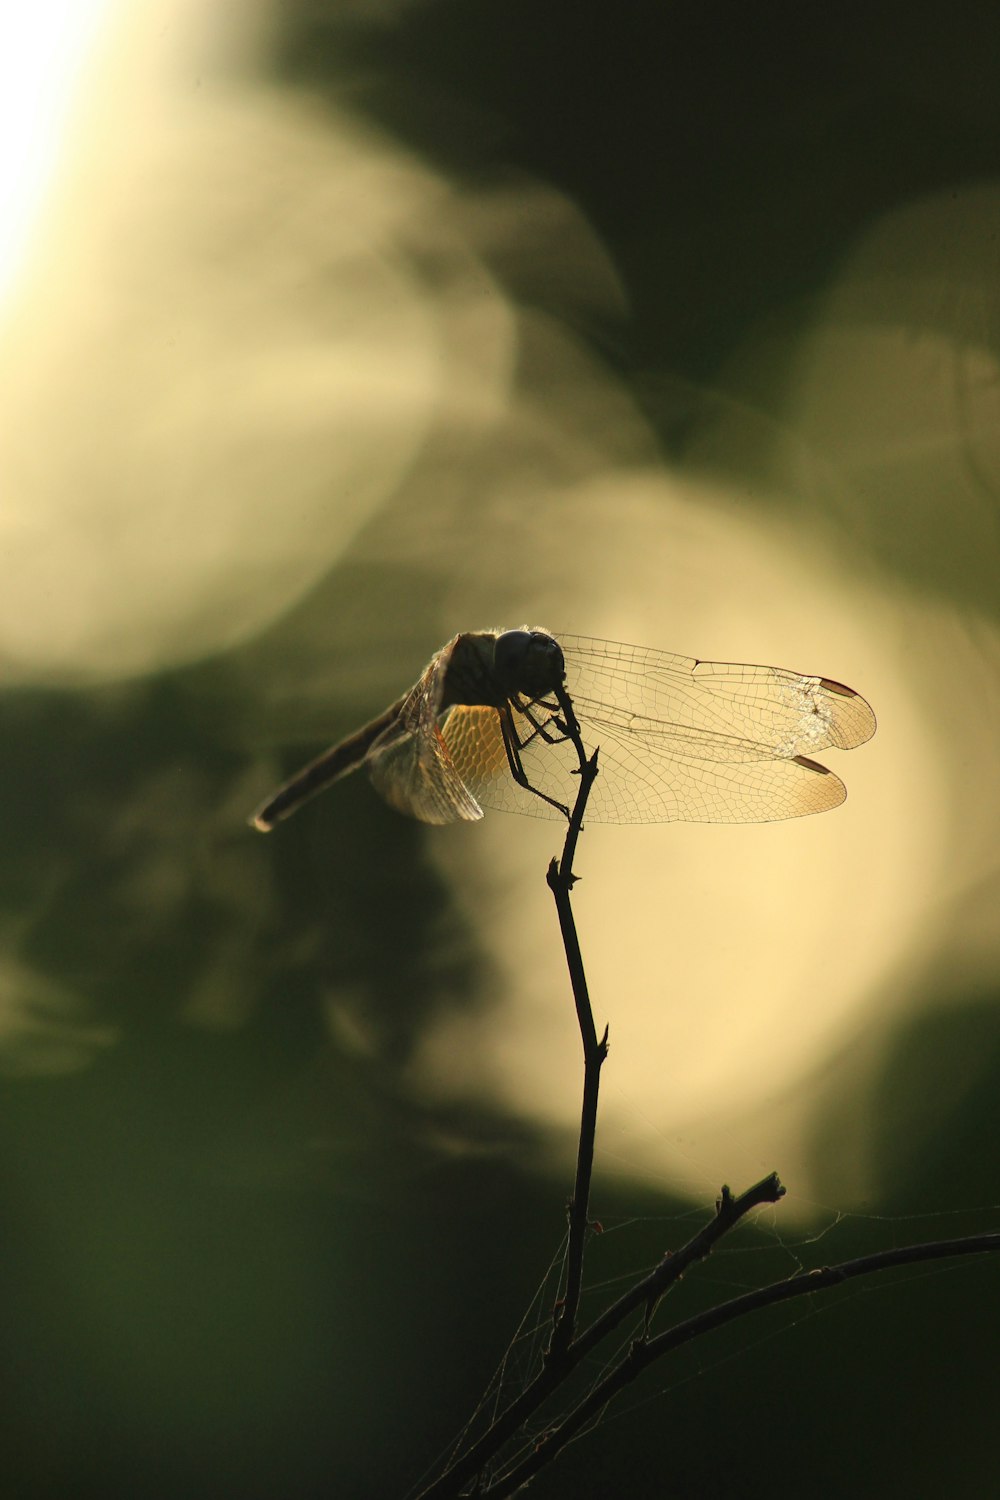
x: 514, y: 746
x: 544, y: 729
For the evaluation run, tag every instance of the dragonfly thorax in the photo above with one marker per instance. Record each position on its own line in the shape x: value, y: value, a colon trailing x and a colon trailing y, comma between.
x: 529, y: 662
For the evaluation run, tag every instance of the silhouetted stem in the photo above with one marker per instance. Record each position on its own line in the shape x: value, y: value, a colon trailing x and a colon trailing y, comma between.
x: 729, y: 1211
x: 561, y: 880
x: 644, y: 1351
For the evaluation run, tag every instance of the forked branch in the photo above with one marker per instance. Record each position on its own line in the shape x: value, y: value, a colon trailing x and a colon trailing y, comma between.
x: 643, y: 1351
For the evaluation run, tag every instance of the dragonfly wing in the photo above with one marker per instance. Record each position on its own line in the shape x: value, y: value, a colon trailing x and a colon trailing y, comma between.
x: 475, y: 742
x: 647, y: 779
x: 410, y: 765
x: 420, y: 780
x: 685, y: 740
x: 784, y: 712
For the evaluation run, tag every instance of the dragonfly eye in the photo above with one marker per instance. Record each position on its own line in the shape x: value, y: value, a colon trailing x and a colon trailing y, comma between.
x: 528, y: 661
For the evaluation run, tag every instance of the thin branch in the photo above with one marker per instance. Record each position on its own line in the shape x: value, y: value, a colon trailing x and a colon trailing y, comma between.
x: 644, y: 1352
x: 729, y: 1211
x: 587, y: 771
x: 561, y: 880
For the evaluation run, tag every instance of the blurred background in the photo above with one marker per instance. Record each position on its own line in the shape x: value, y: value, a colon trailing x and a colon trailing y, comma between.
x: 329, y: 328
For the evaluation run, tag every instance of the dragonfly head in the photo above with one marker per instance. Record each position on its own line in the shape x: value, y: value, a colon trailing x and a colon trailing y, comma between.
x: 528, y: 662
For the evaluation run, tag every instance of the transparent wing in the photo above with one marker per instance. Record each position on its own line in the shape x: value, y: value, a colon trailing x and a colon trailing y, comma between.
x: 680, y: 740
x: 782, y: 711
x: 475, y: 746
x: 410, y: 765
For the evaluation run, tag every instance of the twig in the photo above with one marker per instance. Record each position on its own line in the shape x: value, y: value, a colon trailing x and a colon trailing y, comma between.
x: 729, y: 1211
x: 561, y: 880
x: 644, y: 1351
x: 557, y: 1363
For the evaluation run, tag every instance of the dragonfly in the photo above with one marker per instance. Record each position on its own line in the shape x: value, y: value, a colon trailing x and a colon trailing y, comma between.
x: 679, y: 739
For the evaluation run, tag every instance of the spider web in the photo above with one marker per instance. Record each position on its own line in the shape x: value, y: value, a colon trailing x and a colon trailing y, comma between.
x: 755, y: 1253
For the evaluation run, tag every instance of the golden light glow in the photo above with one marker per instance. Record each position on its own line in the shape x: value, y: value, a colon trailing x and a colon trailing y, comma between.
x: 252, y: 338
x: 221, y: 357
x: 728, y: 960
x: 44, y: 51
